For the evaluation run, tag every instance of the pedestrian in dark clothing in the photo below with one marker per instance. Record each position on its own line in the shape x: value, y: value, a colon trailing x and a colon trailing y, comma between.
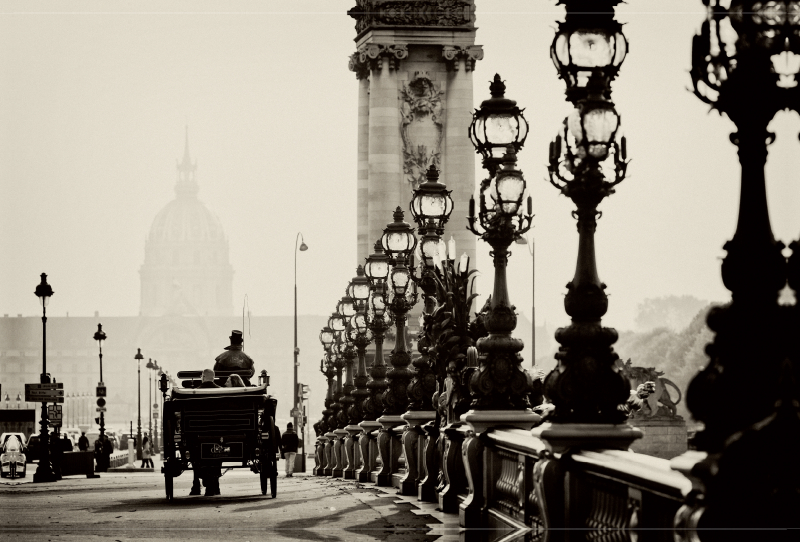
x: 66, y: 444
x: 108, y: 449
x: 289, y: 443
x: 83, y: 443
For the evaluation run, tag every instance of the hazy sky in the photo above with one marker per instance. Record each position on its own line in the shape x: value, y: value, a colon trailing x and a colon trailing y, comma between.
x: 94, y: 97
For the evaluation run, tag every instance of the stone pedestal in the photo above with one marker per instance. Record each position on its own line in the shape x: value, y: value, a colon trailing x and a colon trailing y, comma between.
x: 368, y: 445
x: 414, y: 448
x: 339, y: 452
x: 560, y: 437
x: 661, y: 437
x: 352, y: 451
x: 330, y: 456
x: 390, y: 447
x: 432, y: 451
x: 319, y: 456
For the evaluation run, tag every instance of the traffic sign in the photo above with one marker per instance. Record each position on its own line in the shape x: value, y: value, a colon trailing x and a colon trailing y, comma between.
x: 44, y: 393
x: 155, y: 406
x: 54, y: 415
x: 54, y: 412
x: 295, y: 413
x: 155, y: 415
x: 101, y: 402
x: 100, y: 409
x: 101, y: 390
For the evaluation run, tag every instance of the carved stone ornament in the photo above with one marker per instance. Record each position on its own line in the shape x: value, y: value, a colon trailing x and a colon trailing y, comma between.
x: 453, y: 53
x: 421, y: 111
x: 372, y: 55
x: 381, y: 13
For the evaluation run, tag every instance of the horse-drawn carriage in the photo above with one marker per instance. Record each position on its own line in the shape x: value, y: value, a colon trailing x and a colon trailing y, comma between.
x: 213, y: 428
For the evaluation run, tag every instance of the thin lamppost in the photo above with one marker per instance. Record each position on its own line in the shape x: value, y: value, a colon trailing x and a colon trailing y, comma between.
x: 150, y: 366
x: 296, y: 409
x: 44, y: 472
x: 532, y: 250
x: 156, y: 447
x: 100, y: 336
x: 139, y: 357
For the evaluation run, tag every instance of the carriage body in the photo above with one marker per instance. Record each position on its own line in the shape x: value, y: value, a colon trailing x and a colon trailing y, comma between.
x: 212, y: 428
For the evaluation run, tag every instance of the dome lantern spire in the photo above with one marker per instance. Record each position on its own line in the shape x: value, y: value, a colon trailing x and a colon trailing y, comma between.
x: 187, y: 182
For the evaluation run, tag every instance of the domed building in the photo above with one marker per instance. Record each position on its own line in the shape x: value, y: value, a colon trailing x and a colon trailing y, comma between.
x: 186, y: 270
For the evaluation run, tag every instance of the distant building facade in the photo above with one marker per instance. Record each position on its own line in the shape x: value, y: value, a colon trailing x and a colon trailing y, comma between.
x: 185, y: 318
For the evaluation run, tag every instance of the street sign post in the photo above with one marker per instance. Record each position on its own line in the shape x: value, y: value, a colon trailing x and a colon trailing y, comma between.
x: 101, y: 390
x: 100, y: 409
x: 44, y: 393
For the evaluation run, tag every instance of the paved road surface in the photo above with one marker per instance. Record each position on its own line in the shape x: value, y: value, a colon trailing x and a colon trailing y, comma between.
x: 132, y: 506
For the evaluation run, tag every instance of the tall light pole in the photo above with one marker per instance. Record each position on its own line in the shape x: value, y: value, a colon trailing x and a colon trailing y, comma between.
x: 44, y: 472
x: 150, y: 366
x: 297, y: 408
x: 139, y: 357
x: 532, y: 250
x: 100, y: 336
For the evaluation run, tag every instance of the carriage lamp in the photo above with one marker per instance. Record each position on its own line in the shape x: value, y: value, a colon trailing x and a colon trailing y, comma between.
x: 163, y: 384
x: 588, y: 45
x: 263, y: 378
x: 497, y: 124
x: 398, y: 238
x: 431, y: 204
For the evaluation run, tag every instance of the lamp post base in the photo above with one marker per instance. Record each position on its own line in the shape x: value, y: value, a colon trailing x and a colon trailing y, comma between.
x: 481, y: 420
x: 559, y: 437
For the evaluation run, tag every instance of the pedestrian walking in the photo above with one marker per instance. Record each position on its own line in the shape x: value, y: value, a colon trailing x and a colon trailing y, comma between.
x: 83, y: 442
x: 289, y: 443
x: 147, y: 452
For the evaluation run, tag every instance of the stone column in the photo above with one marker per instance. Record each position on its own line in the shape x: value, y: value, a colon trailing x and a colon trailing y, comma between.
x: 385, y: 146
x: 458, y: 166
x: 361, y: 69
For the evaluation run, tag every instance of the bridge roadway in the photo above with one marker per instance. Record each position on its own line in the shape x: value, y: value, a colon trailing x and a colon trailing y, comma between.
x: 132, y: 506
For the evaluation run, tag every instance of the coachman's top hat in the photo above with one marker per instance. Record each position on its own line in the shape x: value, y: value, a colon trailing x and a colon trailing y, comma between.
x: 236, y: 337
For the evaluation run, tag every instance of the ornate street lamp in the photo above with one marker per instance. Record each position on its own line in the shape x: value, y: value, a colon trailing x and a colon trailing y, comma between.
x: 101, y: 336
x: 589, y: 43
x: 586, y: 161
x: 500, y: 383
x: 745, y: 64
x: 431, y: 204
x: 139, y: 357
x: 399, y: 242
x: 44, y: 471
x: 496, y: 125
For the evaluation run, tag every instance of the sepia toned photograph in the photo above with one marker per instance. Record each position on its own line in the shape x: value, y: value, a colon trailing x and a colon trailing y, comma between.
x: 424, y: 270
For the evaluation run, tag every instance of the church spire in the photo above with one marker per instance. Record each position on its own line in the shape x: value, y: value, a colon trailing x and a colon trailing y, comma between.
x: 187, y: 183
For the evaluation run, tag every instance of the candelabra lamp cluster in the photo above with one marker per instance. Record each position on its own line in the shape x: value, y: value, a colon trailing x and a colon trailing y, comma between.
x: 587, y: 160
x: 745, y: 64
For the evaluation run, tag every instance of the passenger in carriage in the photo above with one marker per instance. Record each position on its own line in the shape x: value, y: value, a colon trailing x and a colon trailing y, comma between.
x: 234, y: 381
x: 235, y: 358
x: 208, y: 379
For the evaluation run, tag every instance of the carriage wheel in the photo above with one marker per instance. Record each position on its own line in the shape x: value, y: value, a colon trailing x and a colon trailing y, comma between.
x: 168, y: 484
